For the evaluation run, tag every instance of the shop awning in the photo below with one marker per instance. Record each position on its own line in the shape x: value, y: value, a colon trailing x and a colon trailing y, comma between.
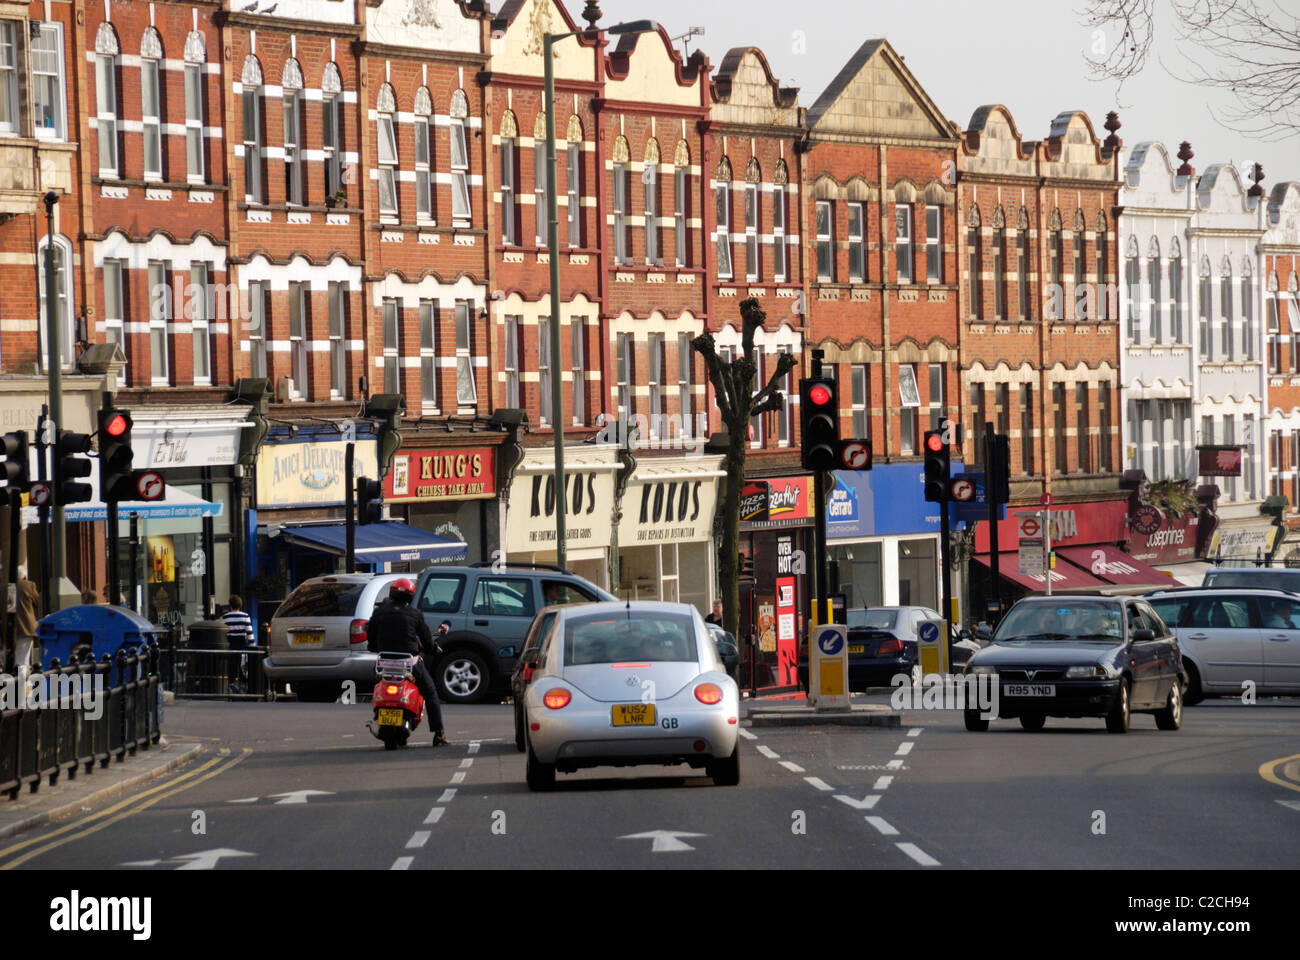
x: 1114, y: 566
x: 1188, y: 574
x: 387, y: 542
x: 1066, y: 576
x: 176, y: 504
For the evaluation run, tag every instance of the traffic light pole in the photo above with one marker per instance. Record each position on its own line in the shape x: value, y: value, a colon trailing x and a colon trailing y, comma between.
x: 54, y: 367
x: 349, y: 509
x: 114, y: 574
x: 994, y: 556
x: 43, y: 512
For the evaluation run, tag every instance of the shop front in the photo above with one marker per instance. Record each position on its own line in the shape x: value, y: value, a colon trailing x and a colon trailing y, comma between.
x: 449, y: 491
x: 1244, y: 542
x: 665, y: 536
x: 882, y: 537
x: 589, y: 474
x: 1172, y: 545
x: 777, y: 520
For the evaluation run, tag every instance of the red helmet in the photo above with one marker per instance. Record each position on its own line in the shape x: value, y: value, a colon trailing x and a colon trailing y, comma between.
x: 402, y: 587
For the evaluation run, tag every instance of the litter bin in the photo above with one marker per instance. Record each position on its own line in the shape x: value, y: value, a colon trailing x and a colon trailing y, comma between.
x: 96, y: 628
x: 210, y: 664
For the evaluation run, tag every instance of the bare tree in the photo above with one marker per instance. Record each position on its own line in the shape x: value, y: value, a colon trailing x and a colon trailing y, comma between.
x: 1249, y: 47
x: 733, y: 384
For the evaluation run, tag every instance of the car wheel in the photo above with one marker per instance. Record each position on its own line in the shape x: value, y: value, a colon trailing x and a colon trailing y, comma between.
x: 540, y: 776
x: 462, y: 677
x: 974, y: 722
x: 1171, y: 717
x: 726, y: 773
x: 916, y: 675
x: 520, y: 745
x: 1118, y: 717
x: 1194, y: 693
x: 317, y: 692
x: 1033, y: 722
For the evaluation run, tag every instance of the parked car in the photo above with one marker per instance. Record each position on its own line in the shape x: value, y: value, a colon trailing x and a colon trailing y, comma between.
x: 1232, y: 636
x: 490, y: 608
x: 1082, y: 656
x: 627, y: 683
x: 1278, y: 578
x: 883, y: 644
x: 526, y: 667
x: 318, y: 635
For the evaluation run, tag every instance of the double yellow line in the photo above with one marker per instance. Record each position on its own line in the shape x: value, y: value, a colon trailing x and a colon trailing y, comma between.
x: 120, y: 810
x: 1289, y: 776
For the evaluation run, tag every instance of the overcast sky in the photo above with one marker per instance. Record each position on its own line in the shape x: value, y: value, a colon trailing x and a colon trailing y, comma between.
x: 1027, y: 55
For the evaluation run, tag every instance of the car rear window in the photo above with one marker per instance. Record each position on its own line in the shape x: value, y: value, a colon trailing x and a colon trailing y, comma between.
x: 1254, y: 577
x: 1171, y: 610
x: 441, y: 593
x: 322, y: 600
x: 872, y: 619
x: 655, y: 637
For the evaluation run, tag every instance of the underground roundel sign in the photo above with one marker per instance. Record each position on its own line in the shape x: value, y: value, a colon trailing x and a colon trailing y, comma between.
x: 831, y: 642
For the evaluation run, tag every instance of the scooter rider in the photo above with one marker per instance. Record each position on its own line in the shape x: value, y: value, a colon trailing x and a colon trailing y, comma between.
x: 398, y: 628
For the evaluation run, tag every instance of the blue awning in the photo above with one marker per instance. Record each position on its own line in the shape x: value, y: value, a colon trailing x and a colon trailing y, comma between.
x: 387, y: 542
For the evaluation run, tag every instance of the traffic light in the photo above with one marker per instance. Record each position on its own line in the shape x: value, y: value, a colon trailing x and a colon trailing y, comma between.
x: 998, y: 481
x: 116, y: 476
x: 14, y: 469
x: 819, y: 418
x: 370, y: 501
x: 936, y: 467
x: 69, y: 464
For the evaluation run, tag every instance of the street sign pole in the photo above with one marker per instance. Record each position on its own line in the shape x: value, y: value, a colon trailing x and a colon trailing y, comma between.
x: 945, y: 581
x: 349, y: 511
x: 993, y: 521
x: 1047, y: 548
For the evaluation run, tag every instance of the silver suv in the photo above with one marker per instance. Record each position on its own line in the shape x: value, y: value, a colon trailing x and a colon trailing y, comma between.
x: 1230, y: 636
x: 318, y: 634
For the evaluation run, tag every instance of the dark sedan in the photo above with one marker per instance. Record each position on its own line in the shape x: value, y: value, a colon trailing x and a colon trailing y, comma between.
x: 1082, y: 656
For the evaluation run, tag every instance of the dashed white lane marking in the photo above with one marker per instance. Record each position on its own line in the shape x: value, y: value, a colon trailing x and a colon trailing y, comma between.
x: 435, y: 815
x: 904, y: 749
x: 768, y: 752
x: 402, y: 863
x: 467, y: 763
x: 894, y: 765
x: 915, y: 731
x: 819, y: 783
x: 747, y: 735
x: 792, y: 766
x: 881, y: 824
x: 917, y: 854
x: 458, y: 777
x: 473, y: 747
x: 882, y: 783
x: 418, y: 839
x: 447, y: 795
x: 866, y: 803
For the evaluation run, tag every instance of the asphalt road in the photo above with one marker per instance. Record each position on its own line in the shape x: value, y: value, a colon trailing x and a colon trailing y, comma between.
x: 287, y: 785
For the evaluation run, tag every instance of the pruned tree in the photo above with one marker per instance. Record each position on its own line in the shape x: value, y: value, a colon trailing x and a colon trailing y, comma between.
x: 733, y: 385
x: 1250, y: 48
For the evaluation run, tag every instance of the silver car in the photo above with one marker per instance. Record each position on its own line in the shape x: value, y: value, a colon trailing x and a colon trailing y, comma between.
x: 318, y: 635
x: 636, y: 682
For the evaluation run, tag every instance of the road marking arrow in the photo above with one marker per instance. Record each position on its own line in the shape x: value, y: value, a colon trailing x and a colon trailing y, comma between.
x: 866, y: 803
x: 665, y: 841
x: 207, y: 859
x: 245, y: 800
x: 1293, y: 804
x: 300, y: 796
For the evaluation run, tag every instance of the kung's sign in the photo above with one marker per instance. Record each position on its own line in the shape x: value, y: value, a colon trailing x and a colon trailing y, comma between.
x: 468, y: 474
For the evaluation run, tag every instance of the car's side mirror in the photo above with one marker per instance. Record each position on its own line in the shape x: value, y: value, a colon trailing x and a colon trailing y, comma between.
x: 1143, y: 636
x: 965, y: 635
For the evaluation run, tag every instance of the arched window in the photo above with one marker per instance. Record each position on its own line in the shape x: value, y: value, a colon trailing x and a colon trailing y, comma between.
x: 722, y: 202
x: 509, y: 141
x: 151, y: 109
x: 331, y: 102
x: 251, y: 84
x: 421, y: 120
x: 385, y: 110
x: 1247, y: 311
x: 294, y: 109
x: 65, y: 308
x: 619, y: 190
x: 195, y: 58
x: 1227, y: 318
x: 650, y: 190
x: 541, y: 176
x: 1080, y: 279
x: 682, y: 202
x: 459, y: 113
x: 780, y: 254
x: 1154, y: 294
x: 999, y: 264
x: 1133, y: 289
x: 975, y: 265
x: 573, y: 179
x: 1274, y: 341
x: 106, y: 64
x: 1022, y: 265
x: 1175, y: 291
x: 1104, y: 288
x: 1056, y: 271
x: 1206, y: 307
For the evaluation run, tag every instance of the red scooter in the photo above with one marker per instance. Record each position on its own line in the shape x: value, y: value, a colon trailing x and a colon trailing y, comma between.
x: 397, y: 702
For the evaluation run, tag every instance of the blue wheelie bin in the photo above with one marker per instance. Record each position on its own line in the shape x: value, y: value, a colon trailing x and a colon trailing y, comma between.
x: 98, y: 628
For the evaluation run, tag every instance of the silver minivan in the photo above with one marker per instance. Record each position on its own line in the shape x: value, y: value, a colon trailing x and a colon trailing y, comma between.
x: 318, y: 635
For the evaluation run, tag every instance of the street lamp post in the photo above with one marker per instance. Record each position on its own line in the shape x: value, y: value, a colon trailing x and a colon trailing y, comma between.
x: 553, y: 245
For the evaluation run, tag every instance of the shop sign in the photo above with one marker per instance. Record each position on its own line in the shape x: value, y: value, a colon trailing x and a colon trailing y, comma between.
x: 668, y: 511
x: 1243, y: 543
x: 1219, y: 461
x: 159, y: 446
x: 1073, y: 525
x: 430, y: 475
x: 887, y: 500
x: 312, y: 473
x: 1170, y: 541
x: 778, y: 502
x: 588, y: 504
x: 842, y: 504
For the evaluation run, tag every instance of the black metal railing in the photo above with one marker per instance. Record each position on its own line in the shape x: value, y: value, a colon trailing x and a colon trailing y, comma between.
x: 69, y: 719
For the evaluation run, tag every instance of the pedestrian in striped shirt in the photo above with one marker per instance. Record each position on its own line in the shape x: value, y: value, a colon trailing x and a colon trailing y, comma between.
x: 239, y: 632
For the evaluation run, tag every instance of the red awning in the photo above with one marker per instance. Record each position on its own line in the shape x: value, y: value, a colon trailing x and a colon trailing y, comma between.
x: 1115, y: 566
x: 1066, y: 576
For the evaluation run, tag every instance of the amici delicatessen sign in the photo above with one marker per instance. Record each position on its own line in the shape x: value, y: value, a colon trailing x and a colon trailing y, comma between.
x: 312, y: 473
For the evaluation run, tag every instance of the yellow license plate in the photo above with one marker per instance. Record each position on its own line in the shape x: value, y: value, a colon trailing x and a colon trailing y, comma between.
x: 390, y: 718
x: 313, y: 639
x: 634, y: 715
x: 857, y: 648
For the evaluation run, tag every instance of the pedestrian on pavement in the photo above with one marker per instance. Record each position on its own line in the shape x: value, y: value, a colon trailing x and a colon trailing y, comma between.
x: 24, y: 622
x: 395, y: 626
x: 716, y: 615
x: 239, y: 634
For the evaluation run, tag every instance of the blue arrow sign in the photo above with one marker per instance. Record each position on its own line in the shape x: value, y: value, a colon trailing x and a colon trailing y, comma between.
x: 929, y: 632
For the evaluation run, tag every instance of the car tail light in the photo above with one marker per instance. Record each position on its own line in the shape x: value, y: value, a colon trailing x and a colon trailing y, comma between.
x: 357, y: 631
x: 709, y: 693
x: 557, y: 698
x: 700, y: 746
x: 890, y: 647
x: 391, y: 689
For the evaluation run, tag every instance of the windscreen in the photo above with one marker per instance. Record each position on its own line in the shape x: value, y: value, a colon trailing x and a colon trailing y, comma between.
x: 1067, y: 619
x: 634, y: 636
x: 322, y: 600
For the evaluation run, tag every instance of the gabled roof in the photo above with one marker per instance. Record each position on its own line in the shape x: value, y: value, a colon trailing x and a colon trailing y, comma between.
x: 511, y: 8
x: 875, y: 93
x: 730, y: 66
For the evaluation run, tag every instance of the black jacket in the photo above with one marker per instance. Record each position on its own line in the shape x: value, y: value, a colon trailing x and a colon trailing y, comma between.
x: 398, y: 628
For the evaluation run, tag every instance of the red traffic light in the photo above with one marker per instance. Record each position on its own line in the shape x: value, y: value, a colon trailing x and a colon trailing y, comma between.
x: 934, y: 443
x: 118, y: 424
x: 819, y: 395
